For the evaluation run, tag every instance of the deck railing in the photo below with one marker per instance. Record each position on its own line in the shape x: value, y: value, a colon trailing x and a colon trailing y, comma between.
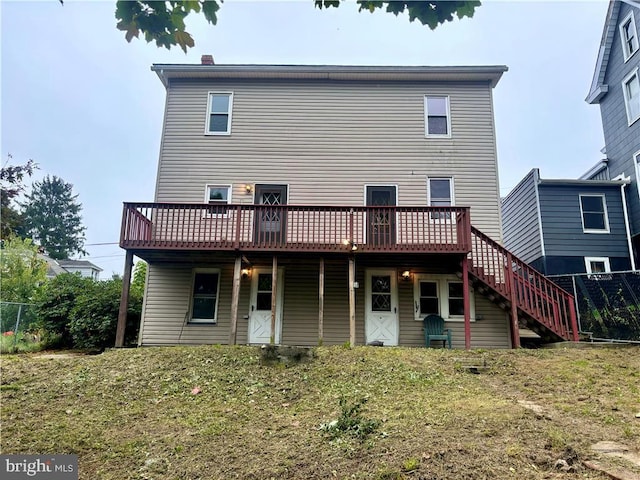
x: 532, y: 293
x: 296, y: 228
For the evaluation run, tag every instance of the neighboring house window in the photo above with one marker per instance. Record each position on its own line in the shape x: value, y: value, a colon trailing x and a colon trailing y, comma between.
x: 204, y: 301
x: 219, y: 113
x: 594, y: 214
x: 440, y: 295
x: 629, y: 36
x: 597, y: 264
x: 437, y: 116
x: 440, y: 194
x: 636, y: 162
x: 631, y: 91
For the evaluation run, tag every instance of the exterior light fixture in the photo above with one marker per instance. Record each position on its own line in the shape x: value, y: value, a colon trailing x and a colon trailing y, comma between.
x: 406, y: 276
x: 248, y: 188
x: 246, y: 272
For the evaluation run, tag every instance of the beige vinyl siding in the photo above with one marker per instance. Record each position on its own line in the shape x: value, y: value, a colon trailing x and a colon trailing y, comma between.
x: 326, y: 140
x: 169, y: 290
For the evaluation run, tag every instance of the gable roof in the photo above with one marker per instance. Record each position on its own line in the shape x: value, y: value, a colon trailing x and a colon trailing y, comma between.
x: 598, y: 87
x: 78, y: 264
x: 490, y: 73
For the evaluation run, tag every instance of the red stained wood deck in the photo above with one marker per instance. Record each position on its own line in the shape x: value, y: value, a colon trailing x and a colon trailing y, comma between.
x: 296, y: 228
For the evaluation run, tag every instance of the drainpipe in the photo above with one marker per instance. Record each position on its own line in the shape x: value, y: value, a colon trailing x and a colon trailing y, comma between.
x: 626, y: 224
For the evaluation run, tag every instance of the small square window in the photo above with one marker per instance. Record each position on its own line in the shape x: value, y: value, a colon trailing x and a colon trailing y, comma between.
x: 631, y: 93
x: 597, y: 264
x: 437, y: 116
x: 594, y: 214
x: 219, y: 113
x: 218, y: 196
x: 629, y: 36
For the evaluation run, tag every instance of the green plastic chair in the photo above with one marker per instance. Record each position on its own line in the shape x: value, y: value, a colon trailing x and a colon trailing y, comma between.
x: 434, y: 330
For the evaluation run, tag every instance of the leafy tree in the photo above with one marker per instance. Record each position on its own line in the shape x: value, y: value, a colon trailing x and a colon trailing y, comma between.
x: 139, y: 278
x: 11, y: 178
x: 163, y: 21
x: 52, y: 217
x: 22, y: 272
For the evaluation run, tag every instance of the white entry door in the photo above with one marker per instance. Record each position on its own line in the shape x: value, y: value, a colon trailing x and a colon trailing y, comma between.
x: 260, y: 308
x: 381, y: 307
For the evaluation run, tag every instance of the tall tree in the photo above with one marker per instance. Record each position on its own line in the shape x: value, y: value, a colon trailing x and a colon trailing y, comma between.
x: 163, y: 22
x: 11, y: 180
x: 52, y: 217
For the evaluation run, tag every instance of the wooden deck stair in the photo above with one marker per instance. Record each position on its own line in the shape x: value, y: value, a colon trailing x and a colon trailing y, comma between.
x: 533, y: 301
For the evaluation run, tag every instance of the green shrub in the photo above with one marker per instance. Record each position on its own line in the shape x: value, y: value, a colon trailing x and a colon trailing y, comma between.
x: 83, y: 313
x: 351, y: 422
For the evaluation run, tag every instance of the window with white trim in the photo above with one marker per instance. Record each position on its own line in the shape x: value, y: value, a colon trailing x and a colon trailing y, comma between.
x: 597, y: 264
x: 440, y: 194
x: 593, y: 209
x: 631, y: 92
x: 218, y: 196
x: 636, y: 162
x: 219, y: 109
x: 437, y: 116
x: 629, y: 36
x: 441, y: 295
x: 204, y: 297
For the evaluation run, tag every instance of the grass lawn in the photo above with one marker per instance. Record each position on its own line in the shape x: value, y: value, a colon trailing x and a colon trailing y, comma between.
x: 134, y: 414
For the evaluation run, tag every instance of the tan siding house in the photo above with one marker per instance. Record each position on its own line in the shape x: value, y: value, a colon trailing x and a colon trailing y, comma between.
x: 331, y: 204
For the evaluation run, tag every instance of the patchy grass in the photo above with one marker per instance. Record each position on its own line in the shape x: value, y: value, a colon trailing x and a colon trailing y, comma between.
x: 134, y: 414
x: 19, y: 343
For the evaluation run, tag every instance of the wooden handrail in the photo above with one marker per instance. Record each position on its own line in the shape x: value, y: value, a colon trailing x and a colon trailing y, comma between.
x: 518, y: 282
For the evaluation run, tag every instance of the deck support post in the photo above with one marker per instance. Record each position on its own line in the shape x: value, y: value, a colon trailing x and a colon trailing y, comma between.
x: 321, y: 303
x: 274, y: 296
x: 511, y: 283
x: 235, y: 299
x: 352, y: 302
x: 466, y: 302
x: 124, y: 299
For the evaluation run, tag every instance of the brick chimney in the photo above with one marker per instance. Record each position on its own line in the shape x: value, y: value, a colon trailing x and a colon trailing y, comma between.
x: 207, y: 60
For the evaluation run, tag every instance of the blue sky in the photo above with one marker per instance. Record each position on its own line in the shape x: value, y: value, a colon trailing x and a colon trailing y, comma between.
x: 82, y: 102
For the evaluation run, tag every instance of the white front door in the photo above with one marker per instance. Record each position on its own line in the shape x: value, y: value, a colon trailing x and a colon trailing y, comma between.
x: 260, y: 308
x: 381, y: 307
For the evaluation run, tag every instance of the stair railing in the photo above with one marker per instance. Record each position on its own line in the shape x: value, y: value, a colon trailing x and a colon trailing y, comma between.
x: 533, y: 294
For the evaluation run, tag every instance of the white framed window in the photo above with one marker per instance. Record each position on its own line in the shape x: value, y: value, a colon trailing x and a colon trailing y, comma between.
x: 440, y: 194
x: 628, y: 36
x: 204, y: 295
x: 636, y: 162
x: 218, y: 196
x: 219, y: 108
x: 631, y: 92
x: 593, y: 209
x: 437, y: 116
x: 597, y: 264
x: 441, y: 295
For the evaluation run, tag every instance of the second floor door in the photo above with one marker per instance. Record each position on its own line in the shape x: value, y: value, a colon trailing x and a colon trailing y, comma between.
x: 270, y: 220
x: 381, y: 221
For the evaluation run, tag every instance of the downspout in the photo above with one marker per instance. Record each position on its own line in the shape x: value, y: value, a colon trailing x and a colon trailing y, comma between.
x: 626, y: 224
x: 536, y: 182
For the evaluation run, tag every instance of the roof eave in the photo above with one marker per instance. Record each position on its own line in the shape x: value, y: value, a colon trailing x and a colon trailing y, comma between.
x: 596, y: 94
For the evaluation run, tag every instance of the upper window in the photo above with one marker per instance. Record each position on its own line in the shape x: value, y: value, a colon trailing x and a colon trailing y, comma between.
x: 629, y: 36
x: 636, y: 161
x: 594, y: 214
x: 597, y: 264
x: 219, y: 113
x: 437, y: 116
x: 440, y: 194
x: 631, y: 92
x: 204, y: 301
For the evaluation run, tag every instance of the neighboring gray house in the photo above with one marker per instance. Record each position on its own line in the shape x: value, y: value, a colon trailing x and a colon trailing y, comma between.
x: 616, y: 88
x: 331, y: 204
x: 568, y: 226
x: 83, y: 267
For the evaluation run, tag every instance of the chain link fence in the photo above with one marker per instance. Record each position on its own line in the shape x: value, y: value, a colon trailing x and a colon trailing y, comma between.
x: 18, y: 330
x: 608, y: 304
